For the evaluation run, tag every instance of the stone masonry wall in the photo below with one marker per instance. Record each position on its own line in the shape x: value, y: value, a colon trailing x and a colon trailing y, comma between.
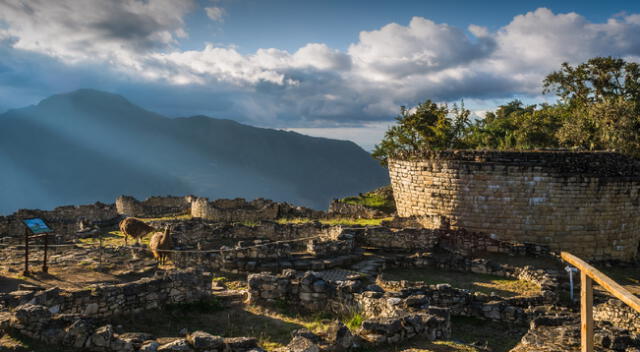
x: 618, y: 314
x: 63, y: 220
x: 154, y: 206
x: 239, y: 210
x: 107, y: 300
x: 586, y: 203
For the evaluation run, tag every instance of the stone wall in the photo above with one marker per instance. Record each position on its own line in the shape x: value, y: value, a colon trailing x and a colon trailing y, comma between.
x: 618, y: 314
x: 86, y: 334
x: 154, y: 206
x: 586, y: 203
x: 343, y: 244
x: 405, y: 239
x: 312, y: 293
x: 108, y: 300
x: 65, y: 220
x: 210, y: 234
x: 239, y: 210
x: 355, y: 211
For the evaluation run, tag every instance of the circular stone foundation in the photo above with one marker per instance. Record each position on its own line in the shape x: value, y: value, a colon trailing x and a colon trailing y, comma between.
x: 587, y: 203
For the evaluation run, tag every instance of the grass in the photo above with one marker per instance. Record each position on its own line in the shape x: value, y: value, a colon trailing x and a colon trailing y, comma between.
x: 112, y: 239
x: 232, y: 281
x: 381, y: 199
x: 354, y: 320
x: 465, y: 332
x: 250, y: 223
x: 336, y: 221
x: 628, y: 277
x: 272, y: 328
x: 420, y: 345
x: 498, y: 336
x: 15, y: 342
x: 488, y: 284
x: 209, y: 305
x: 168, y: 218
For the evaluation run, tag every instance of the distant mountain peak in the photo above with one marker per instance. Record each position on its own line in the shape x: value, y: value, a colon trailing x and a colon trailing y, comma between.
x: 95, y: 145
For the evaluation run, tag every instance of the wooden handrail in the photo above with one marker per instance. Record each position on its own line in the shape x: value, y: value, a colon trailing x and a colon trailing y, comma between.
x: 587, y: 274
x: 620, y: 292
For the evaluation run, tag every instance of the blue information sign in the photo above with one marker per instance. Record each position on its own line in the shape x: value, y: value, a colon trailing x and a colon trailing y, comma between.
x: 36, y: 225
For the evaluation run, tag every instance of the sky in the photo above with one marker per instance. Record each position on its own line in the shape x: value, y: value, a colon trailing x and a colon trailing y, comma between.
x: 326, y: 68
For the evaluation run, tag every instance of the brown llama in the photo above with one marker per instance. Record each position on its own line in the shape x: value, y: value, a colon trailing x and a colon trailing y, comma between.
x: 136, y: 228
x: 160, y: 244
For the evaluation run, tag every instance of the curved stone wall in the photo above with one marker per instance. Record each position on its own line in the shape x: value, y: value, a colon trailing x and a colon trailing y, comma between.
x: 586, y: 203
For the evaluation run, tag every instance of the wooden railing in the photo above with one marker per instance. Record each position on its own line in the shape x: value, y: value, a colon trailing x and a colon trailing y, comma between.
x: 588, y: 274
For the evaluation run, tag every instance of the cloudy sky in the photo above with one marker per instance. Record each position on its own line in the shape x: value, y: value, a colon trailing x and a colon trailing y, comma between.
x: 328, y: 68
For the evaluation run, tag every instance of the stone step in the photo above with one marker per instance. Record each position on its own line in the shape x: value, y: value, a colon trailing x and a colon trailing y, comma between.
x: 229, y: 298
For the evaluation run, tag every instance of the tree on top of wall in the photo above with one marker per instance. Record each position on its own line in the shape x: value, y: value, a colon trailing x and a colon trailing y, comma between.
x: 428, y: 126
x: 598, y: 108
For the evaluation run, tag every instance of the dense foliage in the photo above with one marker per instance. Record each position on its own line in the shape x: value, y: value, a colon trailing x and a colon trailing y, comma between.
x: 598, y: 108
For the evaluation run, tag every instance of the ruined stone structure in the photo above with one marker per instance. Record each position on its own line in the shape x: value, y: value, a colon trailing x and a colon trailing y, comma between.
x: 239, y: 210
x: 585, y: 203
x: 107, y: 300
x: 154, y: 206
x: 64, y: 220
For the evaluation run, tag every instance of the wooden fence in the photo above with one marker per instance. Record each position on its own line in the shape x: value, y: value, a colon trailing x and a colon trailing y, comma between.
x: 588, y: 274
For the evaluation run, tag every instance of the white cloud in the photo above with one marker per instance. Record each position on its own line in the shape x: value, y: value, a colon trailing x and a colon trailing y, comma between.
x: 76, y: 31
x: 397, y: 51
x: 388, y: 67
x: 215, y: 13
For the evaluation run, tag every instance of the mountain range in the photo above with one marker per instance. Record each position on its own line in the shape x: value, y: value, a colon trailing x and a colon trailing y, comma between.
x: 88, y: 146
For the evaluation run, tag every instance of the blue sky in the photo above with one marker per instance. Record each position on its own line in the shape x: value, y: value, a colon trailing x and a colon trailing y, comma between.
x: 328, y: 68
x: 257, y: 24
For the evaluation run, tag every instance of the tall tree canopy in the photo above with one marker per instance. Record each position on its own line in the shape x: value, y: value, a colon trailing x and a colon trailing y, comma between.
x: 598, y: 108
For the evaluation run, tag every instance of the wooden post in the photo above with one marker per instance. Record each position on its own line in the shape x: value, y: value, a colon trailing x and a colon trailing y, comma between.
x: 45, y: 268
x: 26, y: 252
x: 101, y: 250
x: 586, y: 312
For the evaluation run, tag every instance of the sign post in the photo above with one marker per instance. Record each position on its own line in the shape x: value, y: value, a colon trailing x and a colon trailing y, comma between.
x: 26, y: 252
x: 36, y: 226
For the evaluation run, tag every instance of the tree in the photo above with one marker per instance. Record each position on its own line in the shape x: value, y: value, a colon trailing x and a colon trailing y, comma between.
x: 430, y: 126
x: 598, y: 109
x: 603, y: 99
x: 597, y: 80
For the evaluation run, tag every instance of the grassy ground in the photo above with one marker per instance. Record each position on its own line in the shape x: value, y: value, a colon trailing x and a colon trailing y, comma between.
x: 500, y: 286
x: 19, y: 343
x: 111, y: 239
x: 272, y: 327
x: 628, y: 277
x: 167, y: 218
x: 381, y: 199
x: 499, y: 337
x: 540, y: 262
x: 336, y: 221
x: 422, y: 345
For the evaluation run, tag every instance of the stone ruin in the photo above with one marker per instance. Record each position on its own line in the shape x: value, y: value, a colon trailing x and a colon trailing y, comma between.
x: 313, y: 266
x: 583, y: 202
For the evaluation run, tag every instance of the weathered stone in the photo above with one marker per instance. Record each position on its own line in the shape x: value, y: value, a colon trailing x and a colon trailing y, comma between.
x: 175, y: 346
x: 101, y: 337
x: 77, y: 333
x: 150, y: 346
x: 302, y: 344
x: 238, y: 344
x: 204, y: 341
x: 339, y: 336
